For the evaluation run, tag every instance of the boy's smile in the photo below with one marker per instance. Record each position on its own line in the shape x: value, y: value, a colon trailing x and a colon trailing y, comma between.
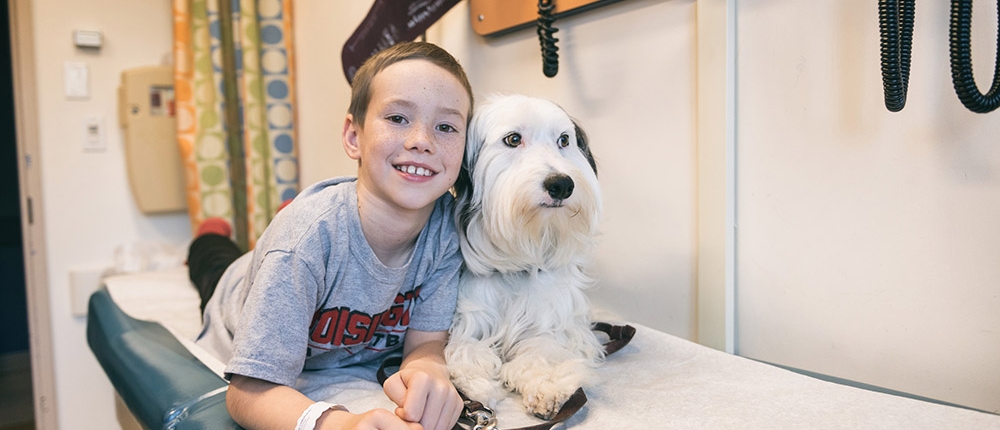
x: 415, y: 170
x: 411, y: 145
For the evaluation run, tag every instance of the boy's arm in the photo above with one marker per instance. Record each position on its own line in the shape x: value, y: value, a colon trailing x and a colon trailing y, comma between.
x: 422, y: 387
x: 258, y: 404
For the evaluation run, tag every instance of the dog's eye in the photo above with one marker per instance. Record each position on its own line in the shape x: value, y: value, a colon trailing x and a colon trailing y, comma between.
x: 512, y: 140
x: 563, y: 140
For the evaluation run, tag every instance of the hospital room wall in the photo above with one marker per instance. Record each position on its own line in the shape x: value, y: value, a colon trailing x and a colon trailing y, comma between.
x: 868, y: 241
x: 87, y: 206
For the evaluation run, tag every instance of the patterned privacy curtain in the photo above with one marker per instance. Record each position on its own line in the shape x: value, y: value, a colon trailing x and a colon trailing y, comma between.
x: 234, y: 89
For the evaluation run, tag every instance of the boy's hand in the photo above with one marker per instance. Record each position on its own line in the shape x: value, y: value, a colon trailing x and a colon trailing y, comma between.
x: 380, y: 419
x: 258, y: 404
x: 421, y: 388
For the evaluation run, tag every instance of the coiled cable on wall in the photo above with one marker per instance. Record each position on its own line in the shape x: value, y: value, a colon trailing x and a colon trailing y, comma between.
x: 896, y: 31
x: 550, y: 52
x: 961, y: 60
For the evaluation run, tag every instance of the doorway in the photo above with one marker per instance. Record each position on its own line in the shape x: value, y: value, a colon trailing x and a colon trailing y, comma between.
x: 16, y: 397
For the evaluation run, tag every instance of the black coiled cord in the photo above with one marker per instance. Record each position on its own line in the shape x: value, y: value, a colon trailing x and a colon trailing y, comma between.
x: 896, y: 30
x: 550, y: 52
x: 961, y: 60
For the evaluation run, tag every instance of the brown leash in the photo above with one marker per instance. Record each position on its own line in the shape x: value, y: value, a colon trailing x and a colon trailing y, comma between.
x: 479, y: 417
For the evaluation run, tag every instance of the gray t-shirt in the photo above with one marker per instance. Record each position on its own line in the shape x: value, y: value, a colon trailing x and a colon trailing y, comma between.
x: 313, y: 295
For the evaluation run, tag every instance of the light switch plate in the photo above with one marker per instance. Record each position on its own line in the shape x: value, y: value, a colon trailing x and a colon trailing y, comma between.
x: 76, y: 80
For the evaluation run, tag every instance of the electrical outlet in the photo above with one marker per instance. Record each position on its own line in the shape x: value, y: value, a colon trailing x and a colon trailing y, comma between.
x: 93, y: 134
x: 83, y: 281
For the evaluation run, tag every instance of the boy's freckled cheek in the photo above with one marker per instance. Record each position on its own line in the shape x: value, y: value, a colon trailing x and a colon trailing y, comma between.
x: 454, y: 152
x: 454, y: 156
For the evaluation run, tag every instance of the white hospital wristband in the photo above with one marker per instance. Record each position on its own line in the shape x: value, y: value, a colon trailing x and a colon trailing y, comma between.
x: 307, y: 421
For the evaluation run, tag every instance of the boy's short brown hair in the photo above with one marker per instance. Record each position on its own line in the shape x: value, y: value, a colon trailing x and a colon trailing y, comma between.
x: 361, y: 85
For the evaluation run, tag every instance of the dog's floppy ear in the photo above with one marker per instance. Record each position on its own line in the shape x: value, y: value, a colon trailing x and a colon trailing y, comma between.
x: 463, y: 202
x: 464, y: 190
x: 473, y: 141
x: 463, y: 184
x: 581, y: 142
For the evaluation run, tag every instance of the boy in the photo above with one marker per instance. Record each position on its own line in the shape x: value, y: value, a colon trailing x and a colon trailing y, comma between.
x: 354, y: 267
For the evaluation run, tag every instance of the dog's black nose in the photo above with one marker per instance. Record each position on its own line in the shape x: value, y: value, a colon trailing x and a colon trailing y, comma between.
x: 559, y: 186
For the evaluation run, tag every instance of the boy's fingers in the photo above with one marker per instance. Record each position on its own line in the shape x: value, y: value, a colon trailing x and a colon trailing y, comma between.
x: 449, y: 412
x: 403, y: 415
x: 431, y: 414
x: 423, y: 400
x: 451, y: 417
x: 413, y: 405
x: 441, y: 410
x: 384, y: 420
x: 394, y: 389
x: 410, y: 401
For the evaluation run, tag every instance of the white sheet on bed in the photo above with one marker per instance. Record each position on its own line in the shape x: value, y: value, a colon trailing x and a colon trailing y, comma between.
x: 657, y: 381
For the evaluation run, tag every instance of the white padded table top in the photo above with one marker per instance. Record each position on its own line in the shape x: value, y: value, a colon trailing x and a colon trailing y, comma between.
x: 657, y: 381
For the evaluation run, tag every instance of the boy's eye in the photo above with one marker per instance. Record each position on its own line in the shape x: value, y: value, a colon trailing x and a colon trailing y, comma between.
x: 512, y: 140
x: 398, y: 119
x: 563, y: 140
x: 447, y: 128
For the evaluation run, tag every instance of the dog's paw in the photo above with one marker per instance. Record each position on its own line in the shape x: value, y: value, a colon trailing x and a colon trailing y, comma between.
x: 544, y: 404
x: 475, y: 371
x: 544, y: 389
x: 483, y: 390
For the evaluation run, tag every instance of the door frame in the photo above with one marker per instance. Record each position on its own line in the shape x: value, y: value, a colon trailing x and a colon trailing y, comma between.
x: 716, y: 161
x: 32, y: 228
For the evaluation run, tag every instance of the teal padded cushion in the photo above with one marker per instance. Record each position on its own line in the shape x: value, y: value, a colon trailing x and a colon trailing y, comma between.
x: 159, y: 380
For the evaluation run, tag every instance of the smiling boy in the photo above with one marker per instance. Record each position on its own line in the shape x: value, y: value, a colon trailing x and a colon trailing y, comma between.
x: 355, y: 268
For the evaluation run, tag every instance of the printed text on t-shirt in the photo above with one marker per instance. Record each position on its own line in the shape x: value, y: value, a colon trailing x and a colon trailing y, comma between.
x: 343, y: 327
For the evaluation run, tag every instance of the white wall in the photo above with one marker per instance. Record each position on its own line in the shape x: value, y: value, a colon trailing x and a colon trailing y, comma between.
x: 88, y: 208
x: 869, y: 241
x: 321, y: 28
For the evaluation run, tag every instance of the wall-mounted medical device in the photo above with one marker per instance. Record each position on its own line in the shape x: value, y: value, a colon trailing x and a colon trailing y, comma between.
x: 148, y: 120
x: 896, y: 31
x: 496, y: 17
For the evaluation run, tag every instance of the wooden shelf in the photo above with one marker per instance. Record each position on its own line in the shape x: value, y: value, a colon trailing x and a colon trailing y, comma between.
x: 496, y: 17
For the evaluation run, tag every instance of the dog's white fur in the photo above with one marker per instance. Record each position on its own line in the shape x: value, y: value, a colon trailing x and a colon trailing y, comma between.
x: 523, y: 321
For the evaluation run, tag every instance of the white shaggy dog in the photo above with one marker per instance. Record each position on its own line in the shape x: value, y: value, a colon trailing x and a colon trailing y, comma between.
x: 527, y: 217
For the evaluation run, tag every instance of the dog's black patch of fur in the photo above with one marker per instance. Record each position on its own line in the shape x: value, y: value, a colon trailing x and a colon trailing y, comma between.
x: 581, y: 142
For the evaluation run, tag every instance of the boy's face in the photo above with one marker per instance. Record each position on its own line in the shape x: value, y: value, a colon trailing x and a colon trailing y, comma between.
x: 410, y: 149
